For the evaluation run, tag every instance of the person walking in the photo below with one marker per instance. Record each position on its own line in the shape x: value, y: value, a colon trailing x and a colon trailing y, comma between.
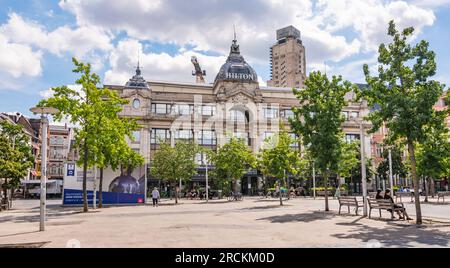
x: 155, y: 196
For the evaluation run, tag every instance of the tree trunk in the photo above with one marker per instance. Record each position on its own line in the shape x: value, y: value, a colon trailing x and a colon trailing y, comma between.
x: 416, y: 181
x: 281, y: 197
x: 85, y: 164
x: 426, y: 189
x: 327, y: 208
x: 432, y: 188
x: 4, y: 200
x: 176, y: 194
x: 100, y: 190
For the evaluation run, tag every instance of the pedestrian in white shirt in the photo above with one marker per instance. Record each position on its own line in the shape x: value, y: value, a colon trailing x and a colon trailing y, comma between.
x: 155, y: 196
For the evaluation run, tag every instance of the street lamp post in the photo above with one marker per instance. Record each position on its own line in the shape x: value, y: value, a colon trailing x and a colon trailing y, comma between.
x: 206, y: 174
x: 314, y: 180
x: 44, y: 112
x: 363, y: 169
x: 391, y: 179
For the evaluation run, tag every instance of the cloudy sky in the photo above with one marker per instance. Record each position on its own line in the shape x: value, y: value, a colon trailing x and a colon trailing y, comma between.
x: 39, y: 37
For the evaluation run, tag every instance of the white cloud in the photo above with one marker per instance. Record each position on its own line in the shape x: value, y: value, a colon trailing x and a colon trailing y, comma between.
x: 157, y: 66
x: 18, y: 59
x: 80, y: 42
x: 23, y: 43
x: 431, y: 3
x: 210, y: 27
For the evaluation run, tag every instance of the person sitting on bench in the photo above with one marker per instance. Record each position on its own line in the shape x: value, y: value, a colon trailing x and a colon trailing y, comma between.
x: 379, y: 196
x: 387, y: 195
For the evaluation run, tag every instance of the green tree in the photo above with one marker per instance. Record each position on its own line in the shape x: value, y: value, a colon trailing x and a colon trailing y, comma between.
x: 350, y: 159
x: 404, y: 93
x: 232, y: 161
x: 278, y: 159
x: 318, y: 121
x: 433, y: 154
x: 173, y: 164
x: 398, y: 166
x: 95, y: 110
x: 111, y: 144
x: 16, y: 157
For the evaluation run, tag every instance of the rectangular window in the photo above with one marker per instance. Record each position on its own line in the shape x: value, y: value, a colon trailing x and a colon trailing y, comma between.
x: 208, y: 110
x: 237, y: 116
x: 184, y: 134
x: 288, y: 113
x: 137, y: 136
x: 184, y: 109
x: 159, y: 135
x: 379, y: 150
x: 346, y: 115
x: 270, y: 113
x: 161, y: 108
x: 354, y: 115
x: 295, y: 143
x: 201, y: 158
x: 207, y: 137
x: 242, y: 136
x: 268, y: 135
x: 351, y: 137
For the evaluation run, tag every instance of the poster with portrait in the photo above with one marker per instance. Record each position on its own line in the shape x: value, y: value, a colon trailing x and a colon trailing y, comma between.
x: 123, y: 186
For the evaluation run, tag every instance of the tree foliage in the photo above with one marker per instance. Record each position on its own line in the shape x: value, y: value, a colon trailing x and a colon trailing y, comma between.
x: 278, y: 159
x: 16, y: 156
x: 404, y: 93
x: 232, y: 161
x: 172, y: 164
x: 101, y: 133
x: 318, y: 120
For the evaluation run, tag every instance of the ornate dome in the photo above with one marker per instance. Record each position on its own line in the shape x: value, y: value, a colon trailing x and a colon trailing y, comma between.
x: 236, y: 68
x: 137, y: 81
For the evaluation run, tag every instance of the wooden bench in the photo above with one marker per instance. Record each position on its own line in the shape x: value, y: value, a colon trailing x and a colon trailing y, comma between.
x: 3, y: 206
x: 443, y: 195
x: 322, y: 193
x: 348, y: 202
x: 404, y: 194
x: 384, y: 204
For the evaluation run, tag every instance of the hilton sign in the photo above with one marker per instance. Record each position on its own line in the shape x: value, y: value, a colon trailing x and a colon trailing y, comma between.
x: 240, y: 76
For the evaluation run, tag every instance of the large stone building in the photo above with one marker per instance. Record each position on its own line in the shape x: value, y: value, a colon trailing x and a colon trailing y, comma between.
x: 234, y: 105
x: 288, y: 59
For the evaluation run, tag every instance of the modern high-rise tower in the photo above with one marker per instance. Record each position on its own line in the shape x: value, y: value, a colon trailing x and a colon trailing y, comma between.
x: 287, y: 59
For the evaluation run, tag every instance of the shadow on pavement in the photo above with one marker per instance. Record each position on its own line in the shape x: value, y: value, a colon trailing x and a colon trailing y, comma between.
x: 302, y: 217
x: 396, y: 235
x: 265, y: 207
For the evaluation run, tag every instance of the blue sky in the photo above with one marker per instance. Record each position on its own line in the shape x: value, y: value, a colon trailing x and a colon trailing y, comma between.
x: 38, y: 38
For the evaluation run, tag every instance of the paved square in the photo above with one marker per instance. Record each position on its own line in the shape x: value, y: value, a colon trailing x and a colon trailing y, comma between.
x: 253, y: 222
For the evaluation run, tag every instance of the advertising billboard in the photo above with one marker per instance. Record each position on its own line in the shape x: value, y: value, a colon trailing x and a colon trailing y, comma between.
x: 119, y: 187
